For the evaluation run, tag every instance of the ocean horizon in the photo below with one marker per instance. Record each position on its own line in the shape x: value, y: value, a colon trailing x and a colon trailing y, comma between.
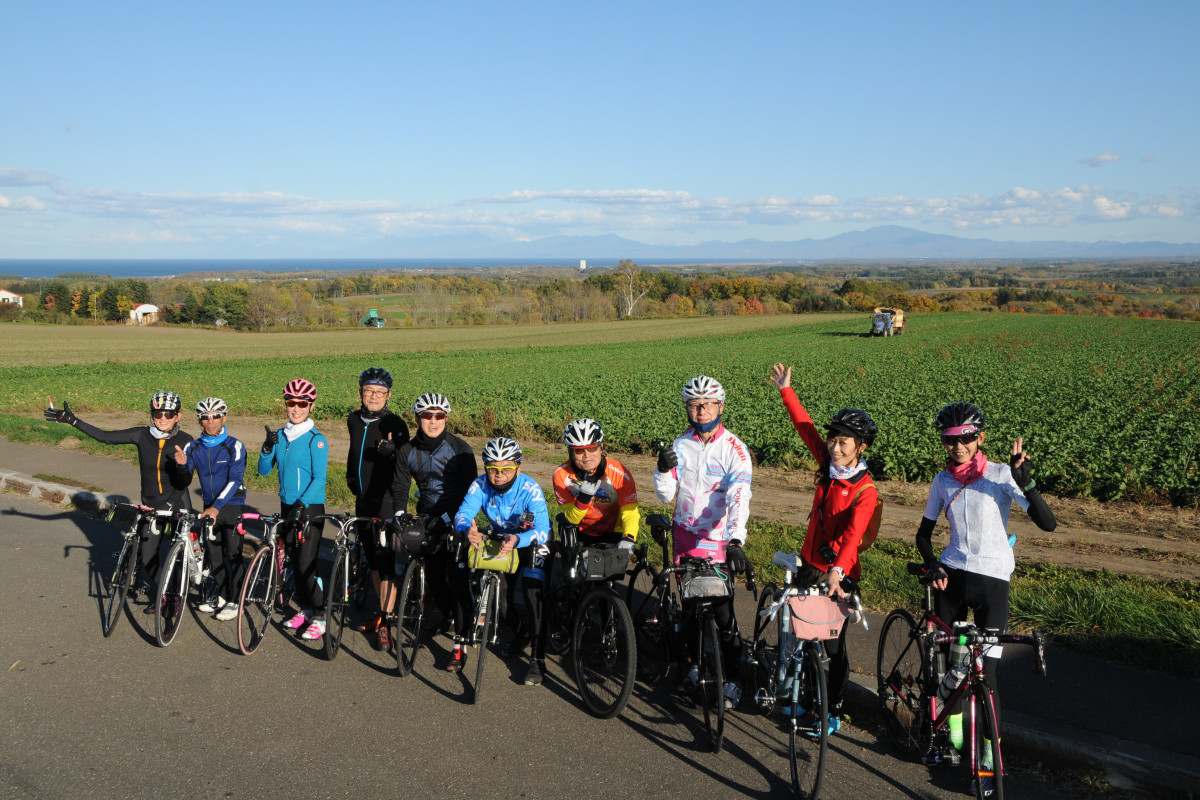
x: 172, y: 267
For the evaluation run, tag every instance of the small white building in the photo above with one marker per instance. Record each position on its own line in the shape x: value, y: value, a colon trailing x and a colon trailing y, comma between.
x: 145, y: 314
x: 11, y: 297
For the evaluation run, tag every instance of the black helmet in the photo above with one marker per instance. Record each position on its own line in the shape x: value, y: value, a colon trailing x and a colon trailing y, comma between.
x: 853, y: 422
x: 377, y: 376
x: 959, y: 415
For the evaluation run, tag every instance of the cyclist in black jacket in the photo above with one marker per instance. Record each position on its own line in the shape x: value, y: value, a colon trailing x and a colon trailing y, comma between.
x: 444, y: 467
x: 162, y: 485
x: 375, y: 433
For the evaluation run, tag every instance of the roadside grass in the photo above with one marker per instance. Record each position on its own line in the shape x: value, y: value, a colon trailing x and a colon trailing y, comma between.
x: 42, y: 476
x: 1143, y: 623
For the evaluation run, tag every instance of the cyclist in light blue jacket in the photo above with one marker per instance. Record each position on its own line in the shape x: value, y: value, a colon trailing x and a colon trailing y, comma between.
x: 504, y: 495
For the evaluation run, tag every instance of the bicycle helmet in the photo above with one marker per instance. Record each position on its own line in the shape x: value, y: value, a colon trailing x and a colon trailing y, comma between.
x: 431, y: 401
x: 165, y: 401
x: 853, y: 422
x: 300, y: 389
x: 211, y: 405
x: 959, y: 418
x: 703, y: 387
x: 502, y: 449
x: 582, y: 432
x: 375, y: 376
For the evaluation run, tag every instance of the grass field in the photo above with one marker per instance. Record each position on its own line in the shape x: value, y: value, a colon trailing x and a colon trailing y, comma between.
x: 1110, y: 408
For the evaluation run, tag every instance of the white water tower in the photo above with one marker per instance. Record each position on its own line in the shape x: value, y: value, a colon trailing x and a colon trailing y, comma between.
x: 582, y: 264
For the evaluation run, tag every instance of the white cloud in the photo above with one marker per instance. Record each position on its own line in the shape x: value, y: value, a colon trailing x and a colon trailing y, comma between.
x: 15, y: 176
x: 1100, y: 160
x: 21, y: 203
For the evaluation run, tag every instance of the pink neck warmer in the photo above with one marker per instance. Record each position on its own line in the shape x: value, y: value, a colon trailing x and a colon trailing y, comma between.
x: 969, y: 471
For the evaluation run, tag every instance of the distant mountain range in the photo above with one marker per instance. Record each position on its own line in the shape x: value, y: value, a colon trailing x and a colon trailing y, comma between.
x: 882, y: 242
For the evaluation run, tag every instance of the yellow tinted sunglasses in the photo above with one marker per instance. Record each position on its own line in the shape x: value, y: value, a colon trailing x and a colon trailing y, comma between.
x: 501, y: 469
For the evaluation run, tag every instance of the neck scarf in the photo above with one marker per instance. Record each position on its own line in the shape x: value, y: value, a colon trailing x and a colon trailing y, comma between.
x: 213, y: 441
x: 157, y: 434
x: 428, y: 443
x: 846, y: 473
x: 370, y: 416
x: 970, y: 471
x: 705, y: 427
x: 294, y: 432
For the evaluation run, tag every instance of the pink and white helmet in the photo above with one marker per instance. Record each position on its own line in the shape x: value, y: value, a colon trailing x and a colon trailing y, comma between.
x: 300, y: 389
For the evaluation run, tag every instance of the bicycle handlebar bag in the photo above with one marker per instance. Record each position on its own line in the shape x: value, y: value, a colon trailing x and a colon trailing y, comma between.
x: 602, y: 563
x: 489, y: 557
x: 703, y: 583
x: 817, y: 616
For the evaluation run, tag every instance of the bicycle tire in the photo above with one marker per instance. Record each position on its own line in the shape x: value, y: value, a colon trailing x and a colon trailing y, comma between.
x: 559, y: 616
x: 257, y: 601
x: 336, y: 601
x: 712, y: 682
x: 118, y: 587
x: 485, y: 622
x: 764, y: 651
x: 645, y: 600
x: 983, y: 723
x: 900, y: 675
x: 171, y: 596
x: 605, y: 653
x: 359, y: 577
x: 809, y: 724
x: 410, y: 608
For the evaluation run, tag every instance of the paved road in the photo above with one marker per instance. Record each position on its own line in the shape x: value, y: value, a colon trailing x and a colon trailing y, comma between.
x: 85, y: 716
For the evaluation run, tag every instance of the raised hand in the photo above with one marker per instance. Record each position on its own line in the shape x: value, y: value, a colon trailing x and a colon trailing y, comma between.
x: 62, y: 415
x: 271, y: 439
x: 1020, y: 464
x: 180, y: 456
x: 781, y: 376
x: 386, y: 446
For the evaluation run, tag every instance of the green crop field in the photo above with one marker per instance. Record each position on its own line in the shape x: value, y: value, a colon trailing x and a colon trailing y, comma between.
x: 1108, y: 407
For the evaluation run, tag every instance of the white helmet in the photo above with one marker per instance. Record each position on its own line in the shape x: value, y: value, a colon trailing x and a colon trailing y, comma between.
x: 502, y: 449
x: 703, y: 387
x: 211, y: 405
x: 431, y: 401
x: 582, y: 432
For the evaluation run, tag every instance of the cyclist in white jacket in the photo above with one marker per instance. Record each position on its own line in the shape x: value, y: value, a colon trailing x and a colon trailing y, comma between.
x: 707, y: 472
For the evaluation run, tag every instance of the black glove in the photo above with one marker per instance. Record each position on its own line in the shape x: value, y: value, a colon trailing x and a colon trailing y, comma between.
x: 667, y: 460
x: 735, y: 559
x: 271, y: 439
x: 934, y: 571
x: 587, y: 489
x: 386, y: 447
x: 1022, y: 474
x: 62, y: 415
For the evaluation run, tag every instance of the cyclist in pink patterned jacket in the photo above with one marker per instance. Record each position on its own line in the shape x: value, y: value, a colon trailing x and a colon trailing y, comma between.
x: 707, y: 472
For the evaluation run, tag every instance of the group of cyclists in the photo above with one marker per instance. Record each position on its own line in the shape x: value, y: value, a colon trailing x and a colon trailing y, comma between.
x: 706, y: 473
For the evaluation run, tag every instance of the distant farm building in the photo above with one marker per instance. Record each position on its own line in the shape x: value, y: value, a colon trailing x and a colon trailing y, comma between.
x: 145, y: 314
x: 372, y: 320
x: 12, y: 298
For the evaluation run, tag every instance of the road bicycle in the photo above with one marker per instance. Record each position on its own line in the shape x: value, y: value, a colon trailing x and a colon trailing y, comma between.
x: 486, y: 566
x: 788, y: 658
x: 348, y: 579
x: 418, y: 537
x: 910, y: 666
x: 674, y: 619
x: 584, y: 613
x: 183, y: 570
x: 270, y: 581
x: 125, y: 572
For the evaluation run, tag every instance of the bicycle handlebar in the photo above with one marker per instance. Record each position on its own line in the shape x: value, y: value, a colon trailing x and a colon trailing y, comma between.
x: 985, y: 637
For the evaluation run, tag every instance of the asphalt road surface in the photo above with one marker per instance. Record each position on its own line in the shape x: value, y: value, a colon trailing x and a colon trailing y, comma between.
x: 89, y: 717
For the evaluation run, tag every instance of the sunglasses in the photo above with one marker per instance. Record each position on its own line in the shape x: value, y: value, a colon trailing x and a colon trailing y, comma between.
x: 500, y: 469
x: 965, y: 438
x: 164, y: 414
x: 296, y: 403
x: 211, y: 416
x: 591, y: 448
x: 432, y: 415
x: 699, y: 406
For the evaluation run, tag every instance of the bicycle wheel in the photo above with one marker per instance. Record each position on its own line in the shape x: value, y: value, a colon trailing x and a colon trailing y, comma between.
x: 604, y: 653
x: 809, y: 722
x: 990, y: 776
x: 118, y: 587
x: 360, y: 580
x: 410, y: 608
x: 171, y: 596
x: 765, y: 651
x: 645, y: 603
x: 336, y: 601
x: 712, y: 682
x: 900, y: 672
x: 257, y: 601
x: 485, y: 623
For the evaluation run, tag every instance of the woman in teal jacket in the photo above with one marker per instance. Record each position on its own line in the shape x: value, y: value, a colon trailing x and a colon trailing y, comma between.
x: 301, y: 453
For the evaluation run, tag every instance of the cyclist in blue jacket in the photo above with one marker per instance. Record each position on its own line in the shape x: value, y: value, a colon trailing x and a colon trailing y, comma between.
x: 302, y: 455
x: 219, y: 461
x: 504, y: 494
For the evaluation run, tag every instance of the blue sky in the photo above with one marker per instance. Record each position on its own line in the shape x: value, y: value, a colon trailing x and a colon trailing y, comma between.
x: 380, y: 129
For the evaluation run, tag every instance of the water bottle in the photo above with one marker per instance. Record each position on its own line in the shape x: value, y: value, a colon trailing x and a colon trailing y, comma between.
x: 960, y: 656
